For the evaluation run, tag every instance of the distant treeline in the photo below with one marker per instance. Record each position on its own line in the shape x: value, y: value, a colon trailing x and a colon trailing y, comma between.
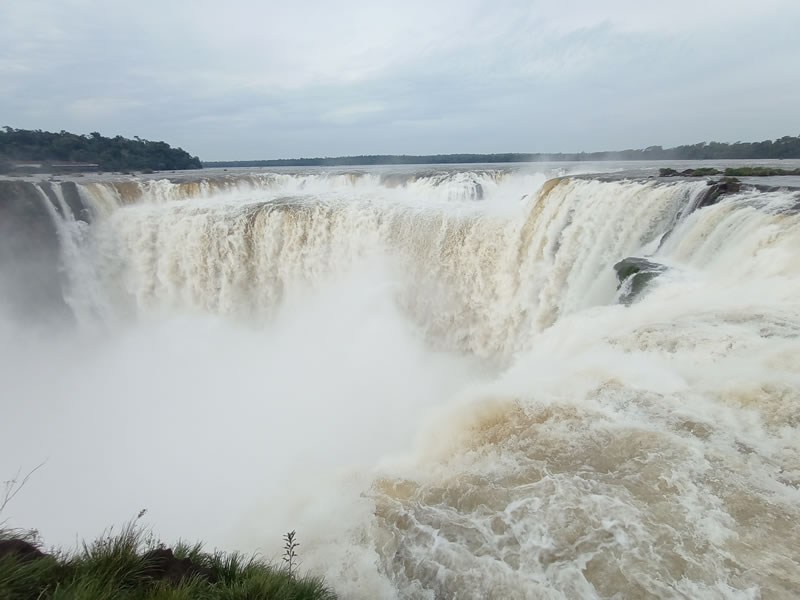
x: 110, y: 154
x: 785, y: 147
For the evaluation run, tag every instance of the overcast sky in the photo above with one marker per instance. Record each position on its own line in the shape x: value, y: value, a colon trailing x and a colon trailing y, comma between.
x: 246, y: 80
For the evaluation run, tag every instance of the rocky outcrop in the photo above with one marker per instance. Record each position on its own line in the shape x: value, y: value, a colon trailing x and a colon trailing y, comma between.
x: 163, y: 565
x: 711, y: 195
x: 718, y: 189
x: 19, y: 549
x: 634, y: 274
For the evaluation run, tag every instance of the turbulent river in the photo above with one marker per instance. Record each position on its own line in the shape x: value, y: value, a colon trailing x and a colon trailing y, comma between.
x: 430, y: 374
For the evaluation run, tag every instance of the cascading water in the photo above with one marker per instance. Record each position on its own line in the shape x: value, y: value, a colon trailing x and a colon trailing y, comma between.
x: 430, y: 377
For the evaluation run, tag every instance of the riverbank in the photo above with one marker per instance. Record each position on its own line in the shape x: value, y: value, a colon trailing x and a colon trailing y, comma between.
x: 756, y: 171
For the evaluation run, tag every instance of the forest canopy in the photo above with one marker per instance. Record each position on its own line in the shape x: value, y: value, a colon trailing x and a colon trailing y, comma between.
x: 785, y: 147
x: 123, y: 154
x: 109, y: 154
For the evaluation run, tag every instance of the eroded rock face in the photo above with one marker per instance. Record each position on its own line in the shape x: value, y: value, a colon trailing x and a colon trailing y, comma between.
x: 634, y: 273
x: 20, y: 549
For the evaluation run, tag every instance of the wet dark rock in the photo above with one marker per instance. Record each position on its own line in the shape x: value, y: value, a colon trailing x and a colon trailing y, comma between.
x: 163, y: 565
x: 718, y: 189
x: 634, y: 274
x: 20, y: 549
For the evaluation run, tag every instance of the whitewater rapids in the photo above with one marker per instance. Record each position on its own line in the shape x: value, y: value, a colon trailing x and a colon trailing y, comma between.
x: 428, y: 375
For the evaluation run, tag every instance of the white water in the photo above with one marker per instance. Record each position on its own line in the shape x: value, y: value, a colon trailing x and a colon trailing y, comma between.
x: 435, y: 387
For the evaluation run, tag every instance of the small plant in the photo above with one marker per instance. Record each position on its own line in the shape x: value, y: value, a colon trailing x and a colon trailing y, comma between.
x: 13, y: 486
x: 289, y: 551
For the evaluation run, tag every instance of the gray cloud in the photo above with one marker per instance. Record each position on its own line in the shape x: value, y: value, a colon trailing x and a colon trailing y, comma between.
x: 268, y: 79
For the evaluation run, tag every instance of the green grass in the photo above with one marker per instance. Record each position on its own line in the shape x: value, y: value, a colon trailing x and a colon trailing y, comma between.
x: 704, y: 171
x: 700, y: 172
x: 114, y: 567
x: 759, y: 172
x: 730, y: 172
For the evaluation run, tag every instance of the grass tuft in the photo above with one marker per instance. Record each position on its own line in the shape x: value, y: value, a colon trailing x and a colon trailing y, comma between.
x: 129, y: 565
